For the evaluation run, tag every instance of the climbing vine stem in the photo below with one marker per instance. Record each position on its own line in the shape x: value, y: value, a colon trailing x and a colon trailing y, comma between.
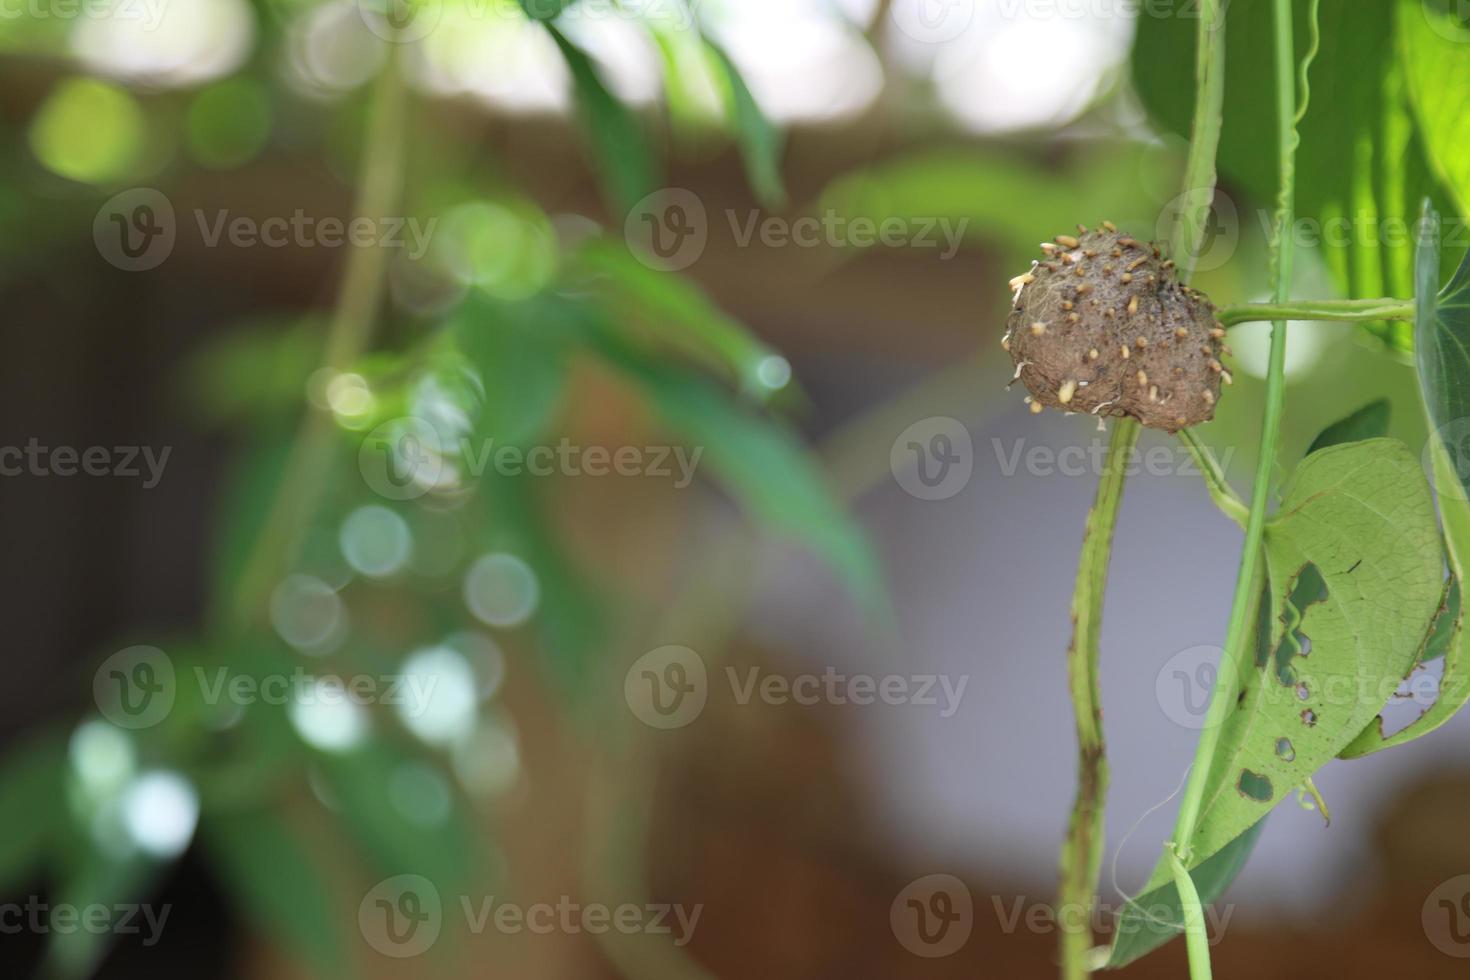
x: 1288, y: 115
x: 1345, y: 310
x: 380, y: 187
x: 1082, y: 852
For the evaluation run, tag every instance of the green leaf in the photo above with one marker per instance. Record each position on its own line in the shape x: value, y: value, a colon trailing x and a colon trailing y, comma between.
x: 1156, y: 917
x: 255, y: 477
x: 1361, y: 167
x: 522, y: 361
x: 545, y: 10
x: 268, y: 869
x: 31, y: 804
x: 675, y: 312
x: 94, y: 878
x: 760, y: 463
x: 573, y: 617
x: 761, y: 142
x: 254, y: 373
x: 1368, y: 422
x: 1441, y: 336
x: 624, y: 160
x: 522, y: 350
x: 1354, y: 579
x: 1445, y: 624
x: 1433, y: 41
x: 361, y: 781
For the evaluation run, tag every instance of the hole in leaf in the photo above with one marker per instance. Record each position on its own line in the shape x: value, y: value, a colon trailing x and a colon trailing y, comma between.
x: 1285, y: 750
x: 1301, y: 691
x: 1254, y: 786
x: 1309, y: 718
x: 1415, y: 695
x: 1308, y: 589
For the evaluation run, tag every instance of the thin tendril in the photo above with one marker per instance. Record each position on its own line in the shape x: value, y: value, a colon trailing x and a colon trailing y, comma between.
x: 1131, y: 901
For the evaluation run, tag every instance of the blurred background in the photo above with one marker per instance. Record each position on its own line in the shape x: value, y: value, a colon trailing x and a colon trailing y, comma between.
x: 499, y: 490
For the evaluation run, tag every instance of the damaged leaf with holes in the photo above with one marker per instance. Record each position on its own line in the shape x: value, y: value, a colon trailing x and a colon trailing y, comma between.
x: 1355, y: 578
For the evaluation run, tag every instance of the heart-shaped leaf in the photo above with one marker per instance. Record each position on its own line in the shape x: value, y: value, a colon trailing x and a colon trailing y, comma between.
x: 1354, y: 579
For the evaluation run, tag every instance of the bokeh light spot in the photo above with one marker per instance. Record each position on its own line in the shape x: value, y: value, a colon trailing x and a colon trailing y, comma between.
x: 376, y: 541
x: 501, y: 590
x: 89, y: 131
x: 228, y: 123
x: 439, y: 695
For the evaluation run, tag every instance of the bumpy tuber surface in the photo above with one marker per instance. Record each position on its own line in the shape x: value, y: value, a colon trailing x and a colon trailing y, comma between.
x: 1102, y: 325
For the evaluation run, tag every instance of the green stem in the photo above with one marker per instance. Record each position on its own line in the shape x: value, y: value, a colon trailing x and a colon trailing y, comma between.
x: 1248, y: 579
x: 1197, y: 939
x: 1220, y: 491
x: 380, y: 187
x: 1191, y: 219
x: 1082, y: 851
x: 1346, y: 310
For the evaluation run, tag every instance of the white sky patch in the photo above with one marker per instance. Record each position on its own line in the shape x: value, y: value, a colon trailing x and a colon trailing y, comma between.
x: 175, y: 45
x: 1008, y: 65
x: 506, y: 62
x: 802, y: 59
